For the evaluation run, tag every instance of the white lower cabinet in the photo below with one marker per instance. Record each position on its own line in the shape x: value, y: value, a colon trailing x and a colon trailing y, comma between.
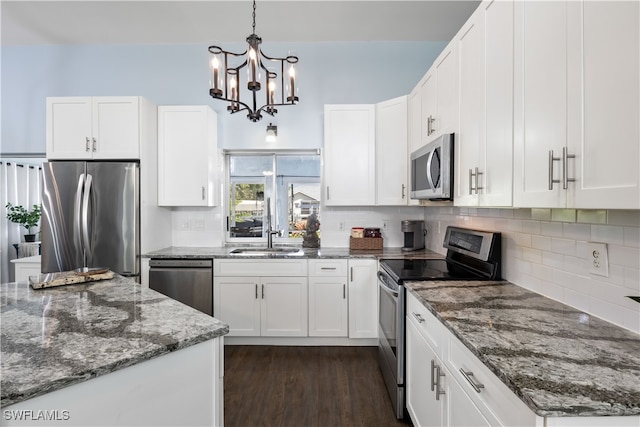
x: 271, y: 303
x: 328, y: 302
x: 447, y: 385
x: 422, y: 405
x: 363, y: 298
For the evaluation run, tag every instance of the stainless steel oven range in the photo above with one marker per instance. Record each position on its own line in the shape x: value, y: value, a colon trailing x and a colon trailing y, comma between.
x: 471, y: 255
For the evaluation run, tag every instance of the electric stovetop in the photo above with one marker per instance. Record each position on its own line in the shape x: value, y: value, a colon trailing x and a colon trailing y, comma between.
x: 425, y: 269
x: 471, y: 255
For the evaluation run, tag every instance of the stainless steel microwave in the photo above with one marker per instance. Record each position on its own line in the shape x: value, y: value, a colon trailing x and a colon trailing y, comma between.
x: 432, y: 170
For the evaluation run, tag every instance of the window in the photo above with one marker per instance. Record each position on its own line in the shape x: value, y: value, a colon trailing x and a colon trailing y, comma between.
x: 284, y: 185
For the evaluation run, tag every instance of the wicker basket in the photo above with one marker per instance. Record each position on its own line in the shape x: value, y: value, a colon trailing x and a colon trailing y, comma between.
x: 365, y: 243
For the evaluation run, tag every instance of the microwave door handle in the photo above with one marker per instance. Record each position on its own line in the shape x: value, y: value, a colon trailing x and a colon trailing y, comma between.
x: 429, y: 178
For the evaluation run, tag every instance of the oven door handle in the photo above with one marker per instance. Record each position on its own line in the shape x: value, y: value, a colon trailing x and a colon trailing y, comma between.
x: 384, y: 287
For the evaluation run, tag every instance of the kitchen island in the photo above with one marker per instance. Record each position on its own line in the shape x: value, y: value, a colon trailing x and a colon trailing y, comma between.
x: 108, y: 353
x: 568, y: 367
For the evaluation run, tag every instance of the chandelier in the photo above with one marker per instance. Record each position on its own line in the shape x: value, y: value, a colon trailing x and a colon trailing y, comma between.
x: 226, y: 79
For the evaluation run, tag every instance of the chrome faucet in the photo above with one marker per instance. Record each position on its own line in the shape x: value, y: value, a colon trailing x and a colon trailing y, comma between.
x: 270, y: 232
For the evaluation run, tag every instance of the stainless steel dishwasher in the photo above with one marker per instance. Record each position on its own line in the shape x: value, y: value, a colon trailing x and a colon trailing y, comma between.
x: 189, y: 281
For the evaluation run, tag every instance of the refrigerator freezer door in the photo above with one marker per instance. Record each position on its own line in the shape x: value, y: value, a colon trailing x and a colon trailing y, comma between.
x: 61, y: 235
x: 113, y: 212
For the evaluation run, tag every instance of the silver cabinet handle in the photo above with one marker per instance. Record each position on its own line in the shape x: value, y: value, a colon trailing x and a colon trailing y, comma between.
x: 328, y: 268
x: 478, y: 173
x: 95, y: 144
x: 475, y: 175
x: 327, y: 192
x: 256, y: 291
x: 86, y: 144
x: 351, y: 274
x: 439, y: 374
x: 433, y: 369
x: 203, y: 192
x: 263, y: 291
x: 430, y: 128
x: 467, y: 376
x: 418, y: 317
x: 344, y: 291
x: 551, y: 160
x: 403, y: 193
x: 565, y: 167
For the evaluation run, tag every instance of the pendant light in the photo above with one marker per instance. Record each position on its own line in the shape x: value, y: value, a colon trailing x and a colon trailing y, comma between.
x: 227, y: 82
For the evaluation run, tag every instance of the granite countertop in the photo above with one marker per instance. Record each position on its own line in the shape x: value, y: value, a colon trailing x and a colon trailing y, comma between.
x: 56, y: 337
x: 176, y: 252
x: 560, y: 361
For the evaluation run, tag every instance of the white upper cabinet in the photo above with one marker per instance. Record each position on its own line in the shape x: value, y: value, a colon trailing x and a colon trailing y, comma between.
x: 439, y: 96
x: 604, y: 98
x: 349, y: 155
x: 577, y: 138
x: 484, y: 147
x: 95, y: 127
x: 189, y: 162
x: 391, y: 152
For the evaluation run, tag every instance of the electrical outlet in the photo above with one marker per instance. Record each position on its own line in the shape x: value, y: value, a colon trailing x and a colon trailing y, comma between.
x: 385, y: 224
x: 185, y: 225
x: 598, y: 259
x: 198, y: 224
x: 341, y: 226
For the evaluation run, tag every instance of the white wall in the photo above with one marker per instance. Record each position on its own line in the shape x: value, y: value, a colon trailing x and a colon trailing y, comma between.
x: 545, y: 250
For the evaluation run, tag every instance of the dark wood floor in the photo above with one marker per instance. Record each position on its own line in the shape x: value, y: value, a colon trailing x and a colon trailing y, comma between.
x: 305, y: 386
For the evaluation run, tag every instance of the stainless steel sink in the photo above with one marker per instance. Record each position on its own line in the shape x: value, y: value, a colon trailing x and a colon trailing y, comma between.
x: 268, y: 251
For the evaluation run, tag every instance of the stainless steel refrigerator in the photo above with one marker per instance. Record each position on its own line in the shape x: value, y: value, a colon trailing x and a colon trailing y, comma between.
x: 91, y: 216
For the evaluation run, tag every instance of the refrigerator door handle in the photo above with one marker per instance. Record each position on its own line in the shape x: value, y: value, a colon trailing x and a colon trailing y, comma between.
x: 77, y: 210
x: 85, y: 213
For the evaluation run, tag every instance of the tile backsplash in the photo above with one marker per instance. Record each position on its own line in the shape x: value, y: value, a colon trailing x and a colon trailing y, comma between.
x: 546, y: 251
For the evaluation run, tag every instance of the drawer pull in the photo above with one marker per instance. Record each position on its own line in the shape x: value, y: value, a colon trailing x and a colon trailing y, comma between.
x: 433, y: 368
x: 467, y: 376
x: 418, y: 317
x: 439, y: 391
x: 328, y: 268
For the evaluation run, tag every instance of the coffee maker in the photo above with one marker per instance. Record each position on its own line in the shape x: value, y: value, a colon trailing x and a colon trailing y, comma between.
x: 414, y: 234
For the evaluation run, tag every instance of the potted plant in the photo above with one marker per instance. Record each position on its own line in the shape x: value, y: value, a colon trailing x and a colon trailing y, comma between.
x: 27, y: 219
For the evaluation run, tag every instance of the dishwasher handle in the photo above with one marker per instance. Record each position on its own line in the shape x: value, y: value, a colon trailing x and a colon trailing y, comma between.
x: 180, y: 263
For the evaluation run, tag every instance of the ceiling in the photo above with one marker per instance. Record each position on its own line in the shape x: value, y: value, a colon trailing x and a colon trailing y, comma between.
x: 27, y: 22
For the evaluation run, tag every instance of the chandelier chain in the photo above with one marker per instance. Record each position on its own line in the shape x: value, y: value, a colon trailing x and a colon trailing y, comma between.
x: 254, y: 16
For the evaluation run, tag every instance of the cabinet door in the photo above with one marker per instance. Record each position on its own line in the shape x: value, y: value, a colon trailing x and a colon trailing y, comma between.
x: 349, y: 155
x: 604, y: 111
x: 363, y: 298
x: 116, y: 127
x: 69, y: 128
x: 284, y: 306
x: 422, y: 405
x: 187, y: 141
x: 429, y: 107
x: 447, y: 91
x: 497, y: 151
x: 540, y: 112
x: 414, y: 119
x: 391, y: 152
x: 328, y: 307
x: 237, y: 301
x: 471, y: 136
x: 460, y: 409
